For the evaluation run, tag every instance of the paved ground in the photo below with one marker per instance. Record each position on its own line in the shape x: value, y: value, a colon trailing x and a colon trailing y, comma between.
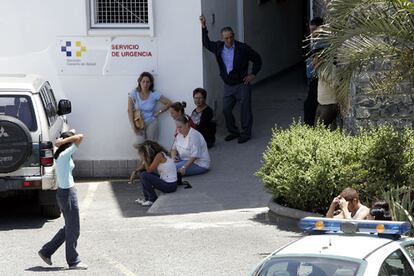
x: 231, y: 184
x: 219, y: 227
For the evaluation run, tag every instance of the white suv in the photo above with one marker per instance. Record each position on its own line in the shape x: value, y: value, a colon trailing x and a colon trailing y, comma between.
x: 30, y: 122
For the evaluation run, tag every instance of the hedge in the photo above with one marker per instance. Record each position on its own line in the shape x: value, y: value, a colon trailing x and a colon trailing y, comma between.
x: 305, y: 167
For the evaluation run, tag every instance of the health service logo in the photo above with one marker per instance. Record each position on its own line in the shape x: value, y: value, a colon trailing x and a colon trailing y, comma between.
x: 73, y: 49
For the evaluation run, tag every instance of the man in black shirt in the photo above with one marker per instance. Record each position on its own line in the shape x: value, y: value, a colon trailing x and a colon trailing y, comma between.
x: 233, y: 59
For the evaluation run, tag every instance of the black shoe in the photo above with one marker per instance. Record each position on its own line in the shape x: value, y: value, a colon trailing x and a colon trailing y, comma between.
x: 187, y: 185
x: 47, y: 260
x: 231, y: 137
x: 243, y: 140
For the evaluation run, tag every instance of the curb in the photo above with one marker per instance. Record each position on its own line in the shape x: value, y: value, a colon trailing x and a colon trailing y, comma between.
x: 289, y: 212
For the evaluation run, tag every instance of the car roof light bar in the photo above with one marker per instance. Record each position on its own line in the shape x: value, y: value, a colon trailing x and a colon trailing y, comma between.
x: 349, y: 226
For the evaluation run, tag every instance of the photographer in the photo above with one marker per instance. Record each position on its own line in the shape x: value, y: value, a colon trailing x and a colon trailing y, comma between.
x: 380, y: 210
x: 347, y: 206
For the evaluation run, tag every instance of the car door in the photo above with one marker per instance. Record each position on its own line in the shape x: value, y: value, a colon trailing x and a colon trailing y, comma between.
x: 408, y: 249
x: 55, y: 122
x: 396, y: 264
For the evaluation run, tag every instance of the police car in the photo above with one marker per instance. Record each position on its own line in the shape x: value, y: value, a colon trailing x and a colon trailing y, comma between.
x: 338, y: 247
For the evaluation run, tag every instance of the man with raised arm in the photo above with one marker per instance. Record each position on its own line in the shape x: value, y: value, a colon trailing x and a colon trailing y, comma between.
x: 233, y: 58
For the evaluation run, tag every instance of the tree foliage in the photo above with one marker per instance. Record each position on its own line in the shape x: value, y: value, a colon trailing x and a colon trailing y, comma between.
x: 363, y: 34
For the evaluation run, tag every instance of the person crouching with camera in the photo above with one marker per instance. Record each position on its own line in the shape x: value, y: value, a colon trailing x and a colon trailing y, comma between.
x: 347, y: 206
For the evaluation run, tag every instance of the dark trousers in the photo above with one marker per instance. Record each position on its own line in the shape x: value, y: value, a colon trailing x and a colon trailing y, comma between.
x: 68, y: 204
x: 311, y: 102
x: 151, y: 181
x: 327, y: 114
x: 233, y: 94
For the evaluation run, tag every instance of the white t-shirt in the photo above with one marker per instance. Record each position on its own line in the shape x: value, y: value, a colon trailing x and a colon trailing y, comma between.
x: 167, y: 170
x: 326, y: 94
x: 193, y: 145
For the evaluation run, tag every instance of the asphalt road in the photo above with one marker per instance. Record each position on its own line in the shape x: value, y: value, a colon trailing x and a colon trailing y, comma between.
x: 219, y: 227
x: 119, y: 238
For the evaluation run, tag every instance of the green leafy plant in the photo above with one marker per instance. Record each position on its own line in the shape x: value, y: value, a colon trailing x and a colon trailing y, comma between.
x: 401, y: 204
x: 306, y: 167
x: 368, y: 33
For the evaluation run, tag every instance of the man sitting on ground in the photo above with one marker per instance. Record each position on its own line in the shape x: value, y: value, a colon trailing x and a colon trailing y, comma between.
x: 347, y: 206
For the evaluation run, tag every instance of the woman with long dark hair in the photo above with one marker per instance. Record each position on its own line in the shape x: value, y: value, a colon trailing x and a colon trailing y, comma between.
x: 67, y: 200
x: 156, y: 158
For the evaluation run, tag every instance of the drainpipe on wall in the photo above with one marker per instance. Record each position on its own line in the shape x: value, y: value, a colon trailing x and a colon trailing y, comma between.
x: 310, y: 10
x: 240, y: 20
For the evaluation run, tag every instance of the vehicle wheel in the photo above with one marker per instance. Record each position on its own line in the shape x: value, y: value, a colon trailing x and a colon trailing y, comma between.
x: 50, y: 211
x: 15, y: 143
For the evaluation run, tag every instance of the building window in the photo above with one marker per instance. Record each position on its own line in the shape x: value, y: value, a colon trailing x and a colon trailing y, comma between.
x: 121, y: 14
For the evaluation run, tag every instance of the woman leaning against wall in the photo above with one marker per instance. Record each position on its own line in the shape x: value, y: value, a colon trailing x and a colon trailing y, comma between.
x: 142, y: 113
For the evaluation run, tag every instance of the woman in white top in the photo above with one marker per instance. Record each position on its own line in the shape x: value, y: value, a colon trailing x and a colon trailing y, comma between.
x: 189, y: 150
x: 155, y: 158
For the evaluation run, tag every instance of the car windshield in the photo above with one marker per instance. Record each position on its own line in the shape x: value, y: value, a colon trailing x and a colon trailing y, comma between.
x: 308, y: 266
x: 19, y: 107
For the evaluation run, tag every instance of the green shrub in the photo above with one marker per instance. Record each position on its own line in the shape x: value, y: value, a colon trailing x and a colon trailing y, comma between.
x: 306, y: 167
x: 401, y: 204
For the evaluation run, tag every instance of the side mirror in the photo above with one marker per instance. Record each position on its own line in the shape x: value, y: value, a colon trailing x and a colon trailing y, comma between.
x: 64, y: 107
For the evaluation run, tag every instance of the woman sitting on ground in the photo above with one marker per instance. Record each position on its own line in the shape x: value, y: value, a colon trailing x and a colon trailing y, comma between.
x: 177, y: 109
x: 155, y: 158
x: 189, y: 150
x: 202, y: 116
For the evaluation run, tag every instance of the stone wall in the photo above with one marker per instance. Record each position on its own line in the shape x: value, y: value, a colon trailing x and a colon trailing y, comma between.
x: 368, y: 110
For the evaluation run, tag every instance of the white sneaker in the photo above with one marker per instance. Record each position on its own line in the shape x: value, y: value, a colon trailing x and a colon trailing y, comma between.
x: 147, y: 203
x: 140, y: 200
x: 79, y: 266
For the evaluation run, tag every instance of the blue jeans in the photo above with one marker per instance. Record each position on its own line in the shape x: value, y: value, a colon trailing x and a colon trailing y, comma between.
x: 192, y: 170
x: 68, y: 204
x: 151, y: 181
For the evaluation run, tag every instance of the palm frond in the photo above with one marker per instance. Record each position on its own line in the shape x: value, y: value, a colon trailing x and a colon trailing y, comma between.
x: 365, y: 32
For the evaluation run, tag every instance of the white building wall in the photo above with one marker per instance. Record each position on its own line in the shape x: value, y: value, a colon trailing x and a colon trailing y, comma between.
x: 99, y: 102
